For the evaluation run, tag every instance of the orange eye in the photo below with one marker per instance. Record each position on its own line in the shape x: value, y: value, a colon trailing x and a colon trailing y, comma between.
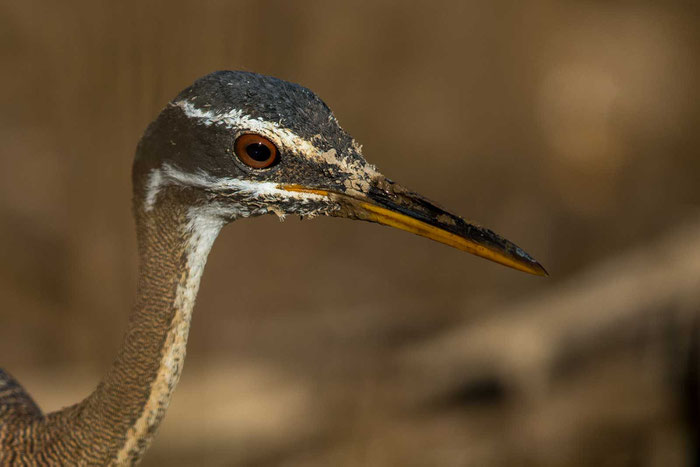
x: 255, y: 151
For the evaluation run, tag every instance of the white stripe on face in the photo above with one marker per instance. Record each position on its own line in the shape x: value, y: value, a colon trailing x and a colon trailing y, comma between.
x: 235, y: 119
x: 170, y: 175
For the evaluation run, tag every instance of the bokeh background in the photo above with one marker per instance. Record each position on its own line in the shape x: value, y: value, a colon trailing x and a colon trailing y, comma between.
x: 571, y: 127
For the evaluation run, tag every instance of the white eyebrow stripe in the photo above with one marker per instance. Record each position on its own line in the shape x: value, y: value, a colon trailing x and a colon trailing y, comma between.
x: 235, y: 118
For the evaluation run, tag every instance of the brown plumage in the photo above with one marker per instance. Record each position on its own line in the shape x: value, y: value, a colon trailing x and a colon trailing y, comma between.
x: 190, y: 179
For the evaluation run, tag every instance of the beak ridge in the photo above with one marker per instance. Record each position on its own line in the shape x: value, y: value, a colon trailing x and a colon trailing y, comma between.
x: 390, y: 204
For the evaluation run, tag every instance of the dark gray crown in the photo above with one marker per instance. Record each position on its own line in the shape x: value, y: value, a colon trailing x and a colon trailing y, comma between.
x: 291, y: 105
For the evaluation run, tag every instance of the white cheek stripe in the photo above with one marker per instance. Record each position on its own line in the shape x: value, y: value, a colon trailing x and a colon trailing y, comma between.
x: 170, y: 175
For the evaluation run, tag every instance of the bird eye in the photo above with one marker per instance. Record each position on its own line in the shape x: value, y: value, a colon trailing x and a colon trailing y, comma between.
x: 255, y: 151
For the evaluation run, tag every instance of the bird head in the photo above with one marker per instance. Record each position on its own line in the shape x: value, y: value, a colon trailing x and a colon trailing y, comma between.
x: 242, y: 144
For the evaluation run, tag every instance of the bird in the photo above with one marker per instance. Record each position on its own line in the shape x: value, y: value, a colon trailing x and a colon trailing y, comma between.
x: 232, y: 145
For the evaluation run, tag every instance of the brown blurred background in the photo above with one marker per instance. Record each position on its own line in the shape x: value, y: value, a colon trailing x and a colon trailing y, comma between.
x: 571, y: 127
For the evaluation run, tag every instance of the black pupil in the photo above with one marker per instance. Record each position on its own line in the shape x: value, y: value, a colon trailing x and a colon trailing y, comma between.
x: 258, y: 152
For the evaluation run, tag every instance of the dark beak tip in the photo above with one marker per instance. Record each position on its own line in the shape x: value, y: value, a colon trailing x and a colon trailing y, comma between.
x: 521, y: 256
x: 539, y: 270
x: 405, y: 210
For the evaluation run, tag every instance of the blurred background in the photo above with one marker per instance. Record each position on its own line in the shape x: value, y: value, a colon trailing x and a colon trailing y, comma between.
x: 570, y: 127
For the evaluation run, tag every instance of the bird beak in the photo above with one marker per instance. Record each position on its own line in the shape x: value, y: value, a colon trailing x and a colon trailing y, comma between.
x: 390, y: 204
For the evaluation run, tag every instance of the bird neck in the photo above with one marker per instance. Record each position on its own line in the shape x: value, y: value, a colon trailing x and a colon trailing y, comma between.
x: 128, y: 405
